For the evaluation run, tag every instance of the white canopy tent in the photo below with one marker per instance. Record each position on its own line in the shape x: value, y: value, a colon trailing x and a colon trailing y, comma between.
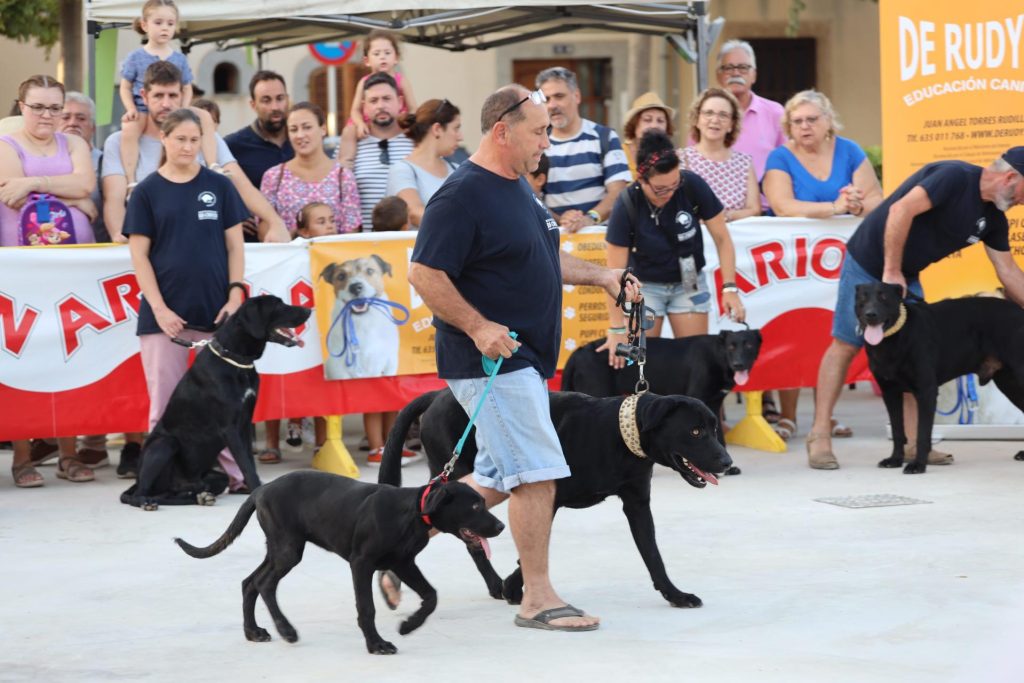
x: 456, y: 25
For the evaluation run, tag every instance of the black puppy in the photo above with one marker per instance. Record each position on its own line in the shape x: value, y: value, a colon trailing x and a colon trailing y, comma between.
x: 674, y: 431
x: 211, y: 408
x: 916, y: 347
x: 373, y: 527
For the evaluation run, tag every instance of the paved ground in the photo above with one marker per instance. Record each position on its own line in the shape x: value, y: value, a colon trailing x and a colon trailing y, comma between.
x: 794, y: 590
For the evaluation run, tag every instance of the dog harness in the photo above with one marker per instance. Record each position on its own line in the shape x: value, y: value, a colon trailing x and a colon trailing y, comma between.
x: 627, y: 425
x: 898, y: 325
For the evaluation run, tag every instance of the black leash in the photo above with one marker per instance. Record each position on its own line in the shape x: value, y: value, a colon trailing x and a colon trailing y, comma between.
x: 637, y: 323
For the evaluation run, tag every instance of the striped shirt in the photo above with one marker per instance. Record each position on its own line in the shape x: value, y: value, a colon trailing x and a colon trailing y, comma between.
x: 578, y: 174
x: 372, y: 175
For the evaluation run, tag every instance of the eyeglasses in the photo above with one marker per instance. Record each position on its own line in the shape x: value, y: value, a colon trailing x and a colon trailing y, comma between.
x: 662, y: 190
x: 738, y: 68
x: 720, y: 115
x: 40, y: 109
x: 537, y: 97
x: 809, y: 120
x: 385, y: 158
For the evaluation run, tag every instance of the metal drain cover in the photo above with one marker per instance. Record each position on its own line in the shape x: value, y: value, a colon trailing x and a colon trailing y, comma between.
x: 874, y: 500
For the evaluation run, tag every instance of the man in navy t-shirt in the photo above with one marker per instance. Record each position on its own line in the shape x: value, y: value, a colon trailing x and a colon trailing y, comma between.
x: 487, y: 262
x: 942, y: 208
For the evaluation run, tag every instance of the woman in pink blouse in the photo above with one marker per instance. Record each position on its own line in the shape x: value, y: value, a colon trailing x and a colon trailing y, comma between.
x: 714, y: 126
x: 311, y: 176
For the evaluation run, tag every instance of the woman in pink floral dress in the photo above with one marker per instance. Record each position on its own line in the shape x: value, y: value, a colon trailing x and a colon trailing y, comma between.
x: 311, y: 176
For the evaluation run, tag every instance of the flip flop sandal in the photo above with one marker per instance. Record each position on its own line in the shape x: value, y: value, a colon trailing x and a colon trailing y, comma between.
x: 840, y: 431
x: 785, y: 428
x: 23, y: 476
x: 73, y: 470
x: 395, y: 581
x: 542, y: 620
x: 269, y: 456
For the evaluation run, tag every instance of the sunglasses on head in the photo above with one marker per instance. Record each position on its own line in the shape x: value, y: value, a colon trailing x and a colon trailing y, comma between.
x: 537, y: 97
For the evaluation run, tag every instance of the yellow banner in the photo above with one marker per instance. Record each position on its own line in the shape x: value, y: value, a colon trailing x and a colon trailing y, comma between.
x: 952, y: 88
x: 373, y: 323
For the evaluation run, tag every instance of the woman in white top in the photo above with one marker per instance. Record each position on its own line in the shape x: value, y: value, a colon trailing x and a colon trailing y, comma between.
x: 436, y: 131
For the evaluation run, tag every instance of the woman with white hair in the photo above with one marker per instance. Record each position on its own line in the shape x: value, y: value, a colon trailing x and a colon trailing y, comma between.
x: 816, y: 174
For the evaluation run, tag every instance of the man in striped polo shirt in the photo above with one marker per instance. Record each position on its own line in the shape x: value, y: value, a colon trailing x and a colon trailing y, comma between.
x: 385, y: 145
x: 588, y: 166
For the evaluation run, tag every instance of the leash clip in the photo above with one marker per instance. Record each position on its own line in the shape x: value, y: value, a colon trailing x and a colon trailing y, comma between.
x: 190, y: 345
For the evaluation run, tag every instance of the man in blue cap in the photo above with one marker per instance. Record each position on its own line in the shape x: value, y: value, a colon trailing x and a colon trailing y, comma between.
x: 940, y: 209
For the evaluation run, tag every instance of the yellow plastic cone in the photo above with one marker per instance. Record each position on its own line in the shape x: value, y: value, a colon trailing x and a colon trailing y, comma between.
x: 333, y: 456
x: 753, y: 431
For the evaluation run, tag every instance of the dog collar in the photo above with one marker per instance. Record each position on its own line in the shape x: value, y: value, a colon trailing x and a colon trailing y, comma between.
x: 898, y: 325
x: 627, y: 425
x: 229, y: 357
x: 423, y: 502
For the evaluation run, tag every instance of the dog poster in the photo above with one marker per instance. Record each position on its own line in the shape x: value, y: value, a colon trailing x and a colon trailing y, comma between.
x: 371, y: 322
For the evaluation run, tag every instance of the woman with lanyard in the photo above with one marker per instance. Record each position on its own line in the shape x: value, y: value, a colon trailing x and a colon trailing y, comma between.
x: 184, y: 228
x: 655, y: 228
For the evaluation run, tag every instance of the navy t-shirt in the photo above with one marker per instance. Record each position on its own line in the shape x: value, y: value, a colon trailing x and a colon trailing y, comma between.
x: 958, y: 218
x: 255, y: 155
x: 499, y: 246
x: 186, y: 223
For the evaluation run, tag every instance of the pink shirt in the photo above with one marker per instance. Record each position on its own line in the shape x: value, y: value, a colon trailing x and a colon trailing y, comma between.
x: 760, y: 131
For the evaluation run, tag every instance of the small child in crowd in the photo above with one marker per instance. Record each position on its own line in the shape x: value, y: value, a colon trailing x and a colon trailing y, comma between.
x: 390, y: 214
x: 380, y: 53
x: 315, y: 219
x: 539, y: 178
x: 210, y: 107
x: 158, y: 23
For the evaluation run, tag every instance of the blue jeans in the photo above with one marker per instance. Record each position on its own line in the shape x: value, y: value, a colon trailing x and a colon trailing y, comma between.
x: 844, y: 320
x: 516, y: 441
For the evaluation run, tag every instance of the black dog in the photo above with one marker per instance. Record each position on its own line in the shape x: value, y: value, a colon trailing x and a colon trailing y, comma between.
x: 916, y: 347
x: 674, y: 431
x: 373, y: 527
x: 212, y: 408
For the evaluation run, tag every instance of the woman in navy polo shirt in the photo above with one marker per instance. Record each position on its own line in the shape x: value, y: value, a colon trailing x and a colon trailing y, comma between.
x: 184, y: 228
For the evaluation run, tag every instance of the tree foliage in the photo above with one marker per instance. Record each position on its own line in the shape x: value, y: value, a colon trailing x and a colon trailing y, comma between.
x: 25, y: 20
x: 795, y: 8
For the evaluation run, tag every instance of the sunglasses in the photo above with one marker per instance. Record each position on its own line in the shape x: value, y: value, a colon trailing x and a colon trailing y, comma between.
x: 385, y: 158
x: 537, y: 97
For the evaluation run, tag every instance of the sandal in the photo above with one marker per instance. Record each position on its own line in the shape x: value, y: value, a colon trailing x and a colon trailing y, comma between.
x: 396, y: 587
x: 785, y: 428
x: 73, y: 470
x: 824, y: 460
x: 840, y: 431
x: 769, y: 412
x: 269, y: 456
x: 26, y: 476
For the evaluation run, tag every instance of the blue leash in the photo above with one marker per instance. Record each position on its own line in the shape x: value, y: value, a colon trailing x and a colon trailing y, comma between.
x: 966, y: 400
x: 491, y: 367
x: 348, y: 331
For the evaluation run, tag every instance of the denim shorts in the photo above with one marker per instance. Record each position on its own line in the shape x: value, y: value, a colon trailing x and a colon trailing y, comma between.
x: 515, y: 438
x: 844, y: 320
x: 669, y: 297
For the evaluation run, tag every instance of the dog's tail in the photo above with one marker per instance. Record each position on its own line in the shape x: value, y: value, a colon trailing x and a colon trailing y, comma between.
x: 391, y: 459
x: 233, y: 531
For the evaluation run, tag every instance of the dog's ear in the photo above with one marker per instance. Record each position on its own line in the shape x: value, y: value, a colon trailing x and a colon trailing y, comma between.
x: 721, y: 335
x: 652, y: 411
x: 328, y: 272
x: 384, y: 266
x: 250, y: 318
x: 435, y: 499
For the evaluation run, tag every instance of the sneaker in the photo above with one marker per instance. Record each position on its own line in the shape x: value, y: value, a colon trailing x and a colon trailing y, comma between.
x: 93, y: 457
x: 308, y: 431
x: 128, y: 465
x: 409, y: 457
x: 375, y: 456
x: 42, y: 451
x: 294, y: 436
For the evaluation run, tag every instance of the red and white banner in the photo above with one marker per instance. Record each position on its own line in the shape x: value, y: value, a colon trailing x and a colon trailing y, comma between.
x: 69, y: 361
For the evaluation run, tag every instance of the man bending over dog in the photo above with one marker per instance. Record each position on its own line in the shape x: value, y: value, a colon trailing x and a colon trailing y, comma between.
x: 942, y: 208
x: 487, y: 261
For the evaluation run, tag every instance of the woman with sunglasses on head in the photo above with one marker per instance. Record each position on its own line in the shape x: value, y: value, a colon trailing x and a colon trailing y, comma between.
x: 436, y: 131
x: 816, y: 174
x: 655, y: 228
x: 311, y: 175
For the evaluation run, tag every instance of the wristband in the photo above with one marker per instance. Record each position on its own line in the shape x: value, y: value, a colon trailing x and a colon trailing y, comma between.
x: 594, y: 216
x: 616, y: 330
x: 730, y: 290
x: 241, y: 286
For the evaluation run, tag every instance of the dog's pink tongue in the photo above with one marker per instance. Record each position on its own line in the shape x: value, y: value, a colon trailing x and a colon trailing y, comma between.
x: 486, y: 546
x: 741, y: 377
x: 873, y: 334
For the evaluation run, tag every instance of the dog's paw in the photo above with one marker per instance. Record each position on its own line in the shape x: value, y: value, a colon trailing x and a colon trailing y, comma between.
x: 892, y: 461
x: 496, y: 589
x: 205, y: 498
x: 149, y: 505
x: 680, y: 599
x: 289, y: 634
x: 409, y: 625
x: 733, y: 471
x: 257, y: 635
x: 381, y: 647
x: 512, y: 591
x: 915, y: 468
x: 1019, y: 456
